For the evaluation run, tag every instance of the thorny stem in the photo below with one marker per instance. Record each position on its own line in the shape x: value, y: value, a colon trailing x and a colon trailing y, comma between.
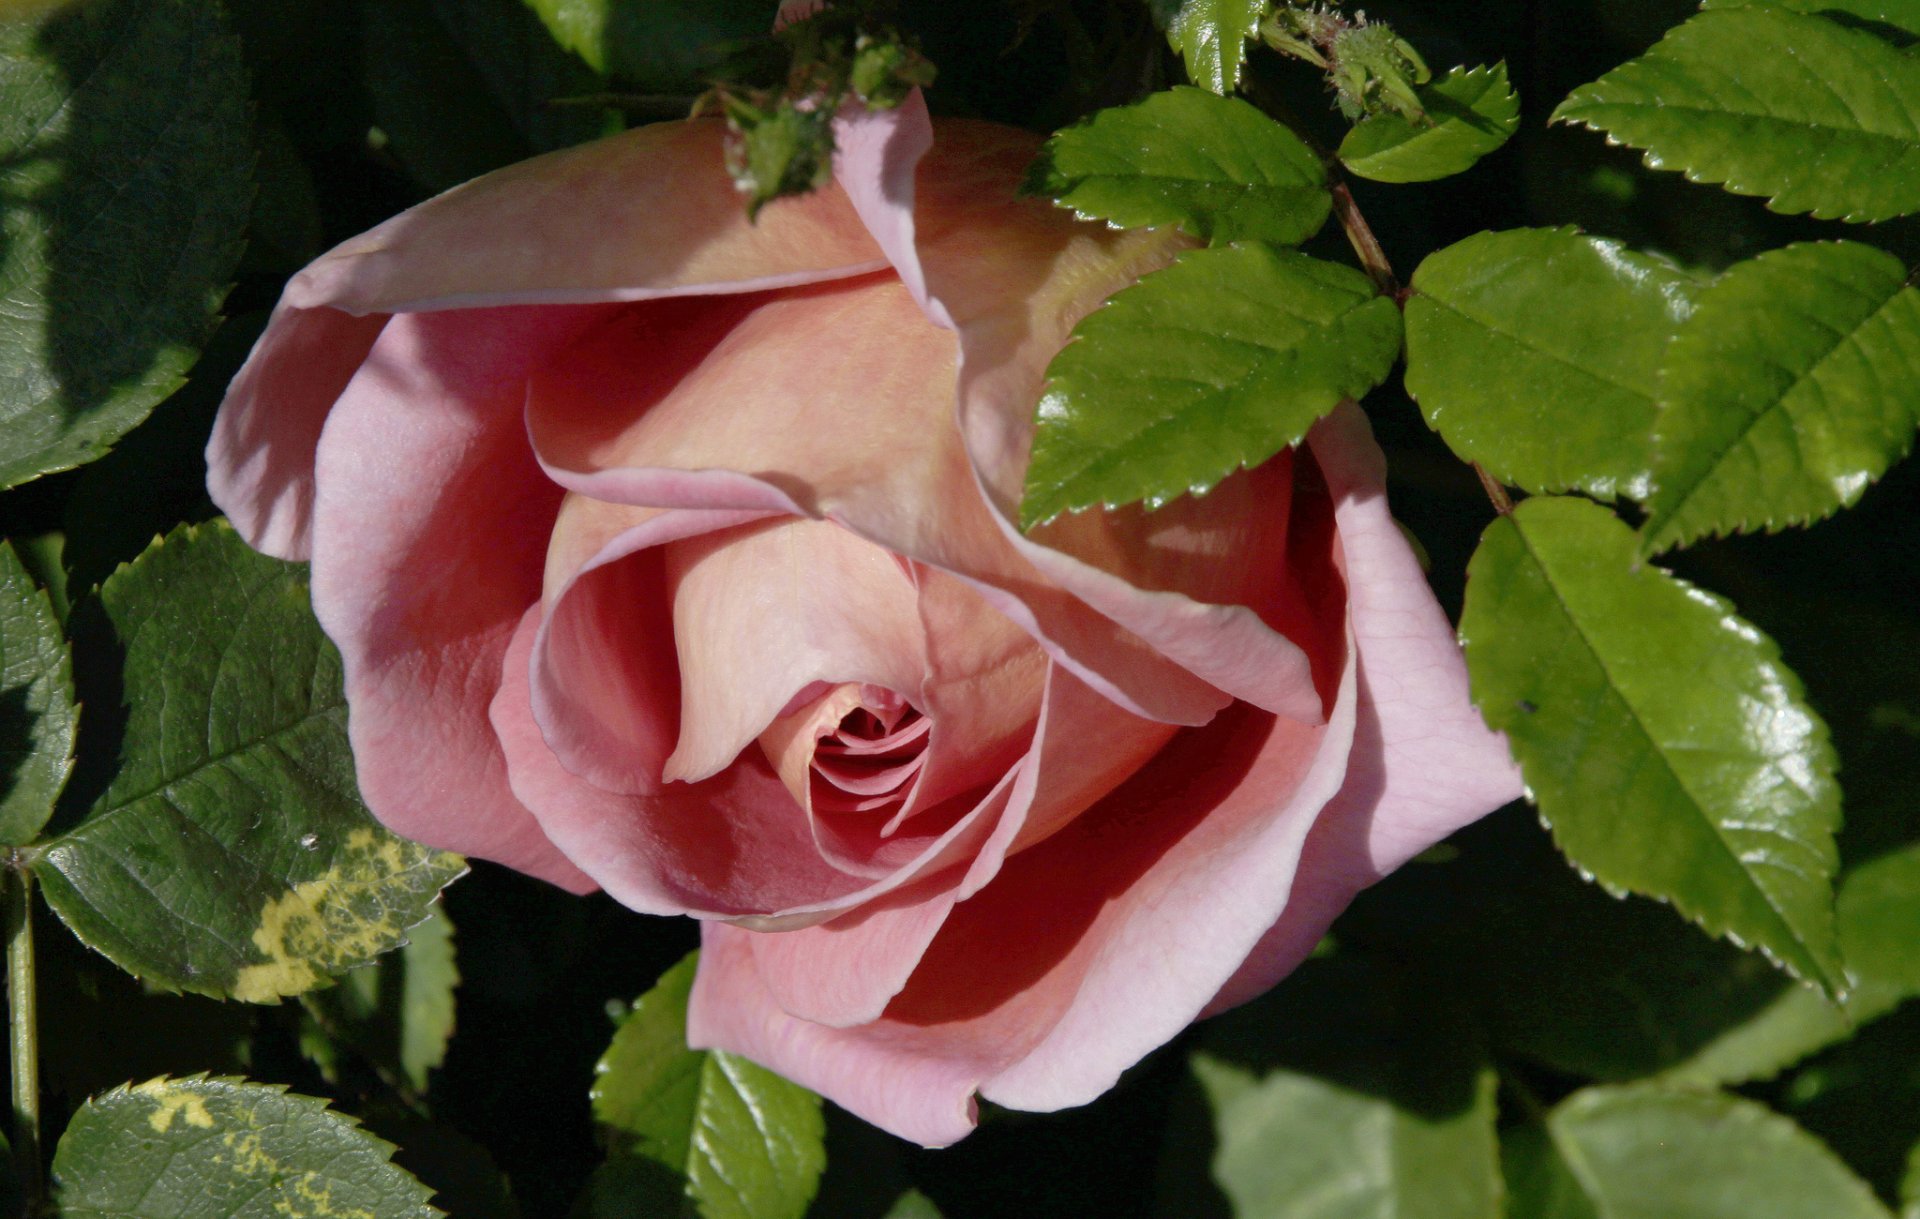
x: 1374, y: 260
x: 21, y: 1011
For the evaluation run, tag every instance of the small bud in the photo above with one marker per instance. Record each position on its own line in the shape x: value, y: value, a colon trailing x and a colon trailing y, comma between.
x: 785, y: 150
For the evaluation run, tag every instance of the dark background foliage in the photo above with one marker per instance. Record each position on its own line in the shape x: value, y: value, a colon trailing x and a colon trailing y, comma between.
x: 363, y: 107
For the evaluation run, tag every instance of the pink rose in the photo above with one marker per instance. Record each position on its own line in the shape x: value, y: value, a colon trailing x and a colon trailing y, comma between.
x: 672, y: 554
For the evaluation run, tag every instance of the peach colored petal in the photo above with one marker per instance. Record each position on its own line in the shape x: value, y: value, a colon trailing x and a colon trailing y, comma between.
x: 762, y: 611
x: 260, y: 456
x: 647, y: 214
x: 877, y: 1072
x: 1036, y: 992
x: 644, y: 214
x: 759, y: 612
x: 1101, y: 942
x: 732, y: 845
x: 864, y: 439
x: 844, y: 972
x: 429, y: 529
x: 1424, y: 763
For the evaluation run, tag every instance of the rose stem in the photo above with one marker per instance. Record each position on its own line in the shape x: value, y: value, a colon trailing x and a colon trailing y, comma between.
x: 1374, y: 259
x: 21, y: 1006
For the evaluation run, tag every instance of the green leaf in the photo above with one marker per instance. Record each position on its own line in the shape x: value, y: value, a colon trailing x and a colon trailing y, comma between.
x: 397, y: 1012
x: 1539, y: 1183
x: 1211, y: 37
x: 462, y: 87
x: 913, y: 1205
x: 1892, y: 16
x: 230, y: 854
x: 1801, y: 110
x: 658, y: 46
x: 1472, y: 111
x: 1910, y: 1186
x: 1876, y: 911
x: 1535, y: 352
x: 1214, y: 166
x: 1349, y: 1091
x: 1788, y: 391
x: 1662, y: 738
x: 1649, y: 1152
x: 125, y: 150
x: 1216, y: 362
x: 699, y: 1132
x: 1560, y: 973
x: 37, y: 714
x: 200, y: 1148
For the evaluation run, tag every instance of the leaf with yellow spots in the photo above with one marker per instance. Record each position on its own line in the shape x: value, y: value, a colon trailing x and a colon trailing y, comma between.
x: 228, y: 854
x: 201, y: 1148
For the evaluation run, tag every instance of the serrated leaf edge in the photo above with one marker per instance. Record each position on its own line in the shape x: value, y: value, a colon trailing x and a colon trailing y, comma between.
x: 1654, y: 541
x: 1835, y: 989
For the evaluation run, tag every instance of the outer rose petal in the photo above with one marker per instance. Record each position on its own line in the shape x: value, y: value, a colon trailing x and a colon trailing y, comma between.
x: 1424, y: 763
x: 429, y: 535
x: 1083, y: 954
x: 650, y: 213
x: 1008, y: 278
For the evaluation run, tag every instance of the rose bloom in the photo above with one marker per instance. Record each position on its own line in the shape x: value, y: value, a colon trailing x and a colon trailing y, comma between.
x: 672, y: 554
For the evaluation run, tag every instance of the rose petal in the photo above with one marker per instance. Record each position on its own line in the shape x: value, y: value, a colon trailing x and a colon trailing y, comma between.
x: 759, y: 613
x: 844, y: 972
x: 1424, y: 763
x: 259, y: 458
x: 650, y: 213
x: 763, y: 407
x: 763, y: 611
x: 877, y: 1072
x: 644, y: 214
x: 1012, y: 278
x: 734, y: 846
x: 1038, y: 994
x: 429, y: 534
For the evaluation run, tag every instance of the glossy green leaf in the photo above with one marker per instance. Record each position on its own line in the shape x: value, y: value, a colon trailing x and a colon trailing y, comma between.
x: 1892, y: 16
x: 1876, y: 912
x: 1649, y: 1152
x: 1809, y: 114
x: 699, y: 1132
x: 230, y: 854
x: 1211, y: 37
x: 1472, y: 111
x: 1350, y: 1091
x: 38, y: 718
x: 1789, y: 390
x: 397, y: 1013
x: 200, y: 1148
x: 1216, y: 362
x: 659, y: 46
x: 1214, y: 166
x: 463, y: 87
x: 1661, y: 736
x: 1535, y: 352
x: 125, y: 150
